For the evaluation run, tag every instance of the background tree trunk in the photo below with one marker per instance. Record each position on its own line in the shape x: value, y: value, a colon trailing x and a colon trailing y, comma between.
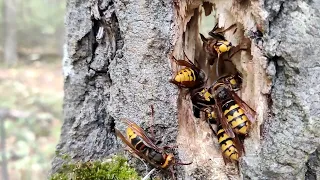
x: 4, y: 162
x: 10, y: 32
x: 120, y: 73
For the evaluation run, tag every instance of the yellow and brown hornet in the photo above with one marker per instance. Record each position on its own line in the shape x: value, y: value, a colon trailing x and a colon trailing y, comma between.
x: 230, y: 107
x: 217, y: 43
x: 146, y: 149
x: 190, y: 76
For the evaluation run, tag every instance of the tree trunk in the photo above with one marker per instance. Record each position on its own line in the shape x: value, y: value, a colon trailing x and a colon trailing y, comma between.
x: 10, y: 32
x: 117, y: 64
x: 4, y: 162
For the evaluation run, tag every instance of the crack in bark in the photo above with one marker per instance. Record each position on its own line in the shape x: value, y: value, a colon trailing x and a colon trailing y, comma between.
x: 276, y: 14
x: 312, y: 165
x: 105, y: 31
x: 89, y: 134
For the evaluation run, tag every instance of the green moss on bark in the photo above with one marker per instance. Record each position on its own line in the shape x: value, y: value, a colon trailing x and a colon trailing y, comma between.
x: 115, y: 168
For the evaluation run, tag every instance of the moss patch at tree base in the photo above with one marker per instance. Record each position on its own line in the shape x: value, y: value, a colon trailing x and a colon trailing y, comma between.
x: 115, y: 168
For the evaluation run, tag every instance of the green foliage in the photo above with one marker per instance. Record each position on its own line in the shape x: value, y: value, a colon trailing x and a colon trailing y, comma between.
x: 115, y: 168
x: 40, y: 14
x: 40, y: 24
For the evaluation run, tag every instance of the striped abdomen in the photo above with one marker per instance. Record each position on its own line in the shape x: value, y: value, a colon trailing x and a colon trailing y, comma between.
x: 139, y: 145
x: 186, y: 75
x: 227, y: 145
x: 136, y: 141
x: 236, y: 117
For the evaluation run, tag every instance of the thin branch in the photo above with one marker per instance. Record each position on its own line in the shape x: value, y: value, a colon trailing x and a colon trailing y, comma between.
x: 148, y: 175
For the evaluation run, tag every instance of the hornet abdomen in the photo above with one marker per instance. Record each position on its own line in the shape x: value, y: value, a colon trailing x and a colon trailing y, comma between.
x: 186, y: 75
x: 227, y: 145
x: 236, y: 117
x: 137, y: 142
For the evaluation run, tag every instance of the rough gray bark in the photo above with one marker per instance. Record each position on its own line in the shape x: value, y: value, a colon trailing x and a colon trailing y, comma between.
x: 291, y: 133
x: 116, y: 75
x: 120, y: 72
x: 10, y: 32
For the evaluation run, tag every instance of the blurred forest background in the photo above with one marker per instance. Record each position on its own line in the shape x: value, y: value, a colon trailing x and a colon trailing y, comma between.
x: 31, y: 86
